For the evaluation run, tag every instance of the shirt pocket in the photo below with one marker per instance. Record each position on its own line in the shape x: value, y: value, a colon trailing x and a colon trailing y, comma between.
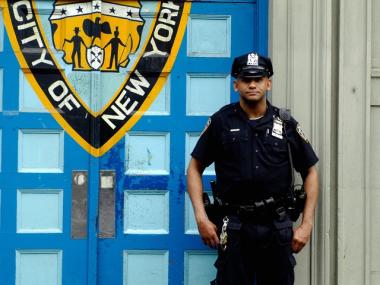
x: 276, y: 150
x: 234, y: 144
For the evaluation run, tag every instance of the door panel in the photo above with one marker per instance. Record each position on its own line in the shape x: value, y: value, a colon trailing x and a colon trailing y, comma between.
x: 156, y: 237
x: 71, y: 217
x: 36, y: 183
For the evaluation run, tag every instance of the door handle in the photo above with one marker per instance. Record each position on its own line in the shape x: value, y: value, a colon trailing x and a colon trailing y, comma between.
x: 107, y: 204
x: 79, y: 204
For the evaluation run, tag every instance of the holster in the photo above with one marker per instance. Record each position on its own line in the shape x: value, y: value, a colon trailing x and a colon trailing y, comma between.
x: 213, y: 210
x: 296, y: 203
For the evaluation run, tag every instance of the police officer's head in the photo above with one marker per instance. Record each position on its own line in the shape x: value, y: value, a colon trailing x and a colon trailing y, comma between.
x: 252, y: 65
x: 252, y: 72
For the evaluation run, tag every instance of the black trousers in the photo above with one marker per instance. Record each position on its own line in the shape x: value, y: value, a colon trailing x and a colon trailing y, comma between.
x: 256, y: 253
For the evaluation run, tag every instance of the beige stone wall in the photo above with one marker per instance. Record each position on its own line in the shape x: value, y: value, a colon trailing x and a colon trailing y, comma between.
x: 326, y: 56
x: 374, y: 193
x: 300, y: 46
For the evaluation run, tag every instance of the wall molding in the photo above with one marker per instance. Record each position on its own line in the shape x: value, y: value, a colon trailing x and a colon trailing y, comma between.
x: 322, y: 267
x: 367, y: 134
x: 286, y: 42
x: 353, y: 144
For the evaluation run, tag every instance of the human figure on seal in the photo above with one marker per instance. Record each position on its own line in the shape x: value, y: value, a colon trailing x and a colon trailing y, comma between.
x: 114, y: 42
x: 77, y: 41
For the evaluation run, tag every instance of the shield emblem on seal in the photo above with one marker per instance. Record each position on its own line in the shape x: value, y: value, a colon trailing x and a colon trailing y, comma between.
x: 95, y: 56
x: 80, y: 37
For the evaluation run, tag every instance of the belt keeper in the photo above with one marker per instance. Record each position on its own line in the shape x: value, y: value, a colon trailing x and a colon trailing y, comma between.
x: 281, y: 213
x: 259, y: 205
x: 270, y: 201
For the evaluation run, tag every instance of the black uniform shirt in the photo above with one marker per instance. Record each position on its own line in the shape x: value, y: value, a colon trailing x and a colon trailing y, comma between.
x: 251, y: 163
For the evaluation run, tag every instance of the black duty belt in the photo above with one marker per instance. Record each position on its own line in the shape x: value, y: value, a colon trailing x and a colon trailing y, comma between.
x: 267, y: 209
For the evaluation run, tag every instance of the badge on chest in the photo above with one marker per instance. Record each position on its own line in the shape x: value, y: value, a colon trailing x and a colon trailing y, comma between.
x: 277, y: 128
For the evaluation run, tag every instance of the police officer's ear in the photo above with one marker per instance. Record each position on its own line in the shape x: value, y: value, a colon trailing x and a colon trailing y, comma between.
x: 269, y: 84
x: 235, y: 85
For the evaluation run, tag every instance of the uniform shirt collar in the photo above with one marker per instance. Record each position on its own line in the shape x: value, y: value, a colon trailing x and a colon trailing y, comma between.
x: 268, y: 117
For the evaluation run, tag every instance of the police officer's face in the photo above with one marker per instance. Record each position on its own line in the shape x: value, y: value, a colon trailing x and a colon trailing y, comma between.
x: 252, y: 90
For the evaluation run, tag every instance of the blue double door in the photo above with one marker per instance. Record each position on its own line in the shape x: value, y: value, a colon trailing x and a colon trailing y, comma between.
x: 71, y: 216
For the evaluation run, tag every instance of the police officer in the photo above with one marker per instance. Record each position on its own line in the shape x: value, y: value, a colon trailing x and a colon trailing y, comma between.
x: 248, y: 142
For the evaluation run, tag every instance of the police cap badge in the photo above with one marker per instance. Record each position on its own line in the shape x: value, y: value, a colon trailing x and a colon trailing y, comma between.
x: 252, y: 65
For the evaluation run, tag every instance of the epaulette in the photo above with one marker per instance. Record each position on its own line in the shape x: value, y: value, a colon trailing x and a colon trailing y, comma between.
x: 227, y: 108
x: 284, y: 114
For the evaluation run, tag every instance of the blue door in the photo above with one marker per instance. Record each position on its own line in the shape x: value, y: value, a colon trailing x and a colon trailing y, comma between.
x: 102, y: 103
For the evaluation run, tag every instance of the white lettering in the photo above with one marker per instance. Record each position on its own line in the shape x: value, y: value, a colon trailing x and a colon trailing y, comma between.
x: 121, y: 109
x: 137, y: 83
x: 163, y: 32
x: 165, y: 28
x: 155, y: 50
x: 66, y: 102
x: 17, y: 5
x: 55, y: 88
x: 35, y: 37
x: 42, y: 59
x: 60, y: 93
x: 168, y: 18
x: 170, y: 5
x: 123, y: 106
x: 26, y: 26
x: 119, y: 116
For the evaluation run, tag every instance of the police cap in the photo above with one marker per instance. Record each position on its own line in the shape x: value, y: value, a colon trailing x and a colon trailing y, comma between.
x: 252, y: 65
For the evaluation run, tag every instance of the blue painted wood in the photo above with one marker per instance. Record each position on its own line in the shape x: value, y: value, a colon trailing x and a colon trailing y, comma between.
x: 199, y: 267
x: 206, y: 93
x: 1, y: 155
x: 147, y: 153
x: 1, y: 31
x: 100, y: 261
x: 246, y: 36
x: 74, y: 252
x: 1, y: 89
x: 38, y: 267
x: 146, y: 212
x: 209, y: 35
x: 40, y: 151
x: 29, y: 101
x: 161, y: 106
x: 93, y: 202
x: 39, y: 211
x: 146, y: 267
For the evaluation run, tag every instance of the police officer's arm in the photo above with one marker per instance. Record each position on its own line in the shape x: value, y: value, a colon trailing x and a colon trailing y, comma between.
x: 303, y: 232
x: 207, y: 229
x: 305, y: 160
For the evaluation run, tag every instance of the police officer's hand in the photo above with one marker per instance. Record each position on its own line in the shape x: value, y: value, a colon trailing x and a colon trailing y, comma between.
x: 208, y: 232
x: 301, y: 236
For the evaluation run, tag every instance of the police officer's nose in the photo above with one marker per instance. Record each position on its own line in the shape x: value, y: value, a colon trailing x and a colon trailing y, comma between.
x: 252, y: 84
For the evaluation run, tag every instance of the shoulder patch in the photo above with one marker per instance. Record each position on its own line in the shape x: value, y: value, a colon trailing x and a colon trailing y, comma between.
x: 302, y: 133
x: 206, y: 126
